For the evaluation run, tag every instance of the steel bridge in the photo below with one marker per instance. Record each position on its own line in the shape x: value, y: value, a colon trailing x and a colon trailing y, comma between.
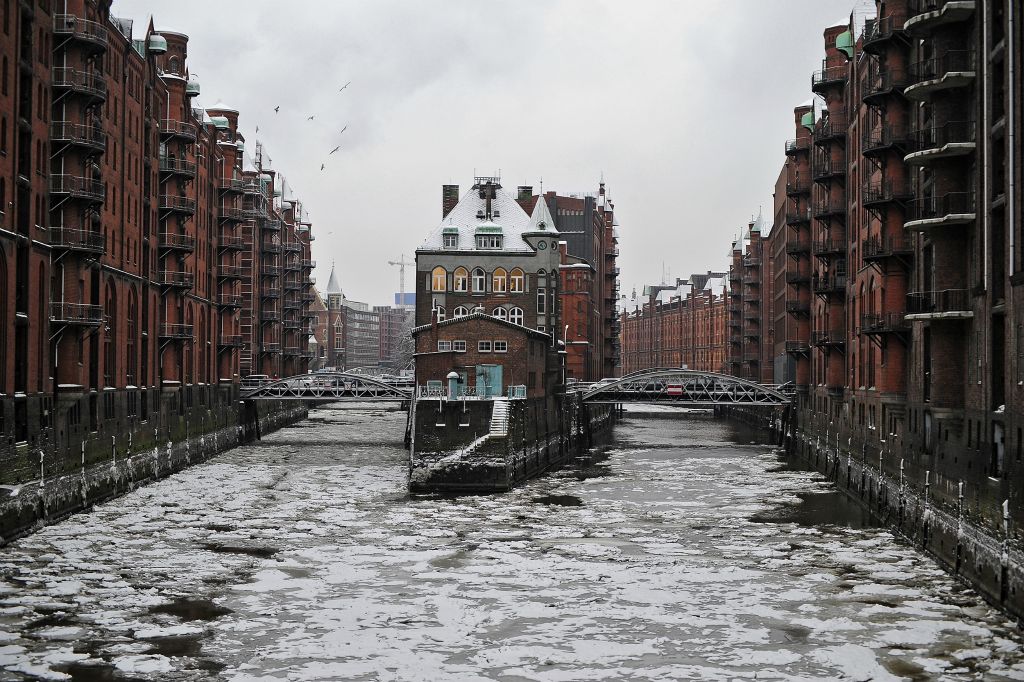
x: 684, y: 388
x: 328, y: 386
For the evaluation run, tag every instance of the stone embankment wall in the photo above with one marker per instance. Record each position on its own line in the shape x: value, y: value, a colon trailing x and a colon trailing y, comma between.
x: 41, y: 485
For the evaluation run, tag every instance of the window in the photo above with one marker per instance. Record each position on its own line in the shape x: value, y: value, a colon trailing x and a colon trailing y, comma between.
x: 444, y: 345
x: 451, y: 241
x: 479, y: 279
x: 483, y: 346
x: 516, y: 283
x: 459, y: 345
x: 440, y: 313
x: 542, y: 328
x: 515, y: 316
x: 460, y: 280
x: 438, y: 279
x: 488, y: 241
x: 498, y: 281
x: 500, y: 313
x: 461, y: 311
x: 541, y: 301
x: 501, y: 346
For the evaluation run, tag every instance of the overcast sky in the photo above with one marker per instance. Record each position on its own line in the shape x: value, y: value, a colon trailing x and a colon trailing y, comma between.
x: 684, y: 107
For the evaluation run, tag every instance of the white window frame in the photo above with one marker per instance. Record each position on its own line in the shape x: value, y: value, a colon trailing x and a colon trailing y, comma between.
x: 489, y: 242
x: 516, y: 316
x: 500, y: 313
x: 434, y: 281
x: 499, y: 282
x: 443, y: 346
x: 459, y: 345
x: 440, y: 313
x: 500, y: 346
x: 479, y: 277
x: 483, y: 346
x: 516, y: 281
x: 451, y: 241
x: 457, y: 280
x: 460, y: 311
x: 542, y: 301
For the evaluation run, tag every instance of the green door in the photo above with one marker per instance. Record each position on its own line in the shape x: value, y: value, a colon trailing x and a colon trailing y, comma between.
x: 488, y: 380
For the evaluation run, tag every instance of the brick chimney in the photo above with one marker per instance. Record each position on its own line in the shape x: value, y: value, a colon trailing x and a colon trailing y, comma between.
x: 449, y: 197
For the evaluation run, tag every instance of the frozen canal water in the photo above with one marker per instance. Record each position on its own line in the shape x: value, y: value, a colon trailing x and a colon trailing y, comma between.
x: 681, y: 555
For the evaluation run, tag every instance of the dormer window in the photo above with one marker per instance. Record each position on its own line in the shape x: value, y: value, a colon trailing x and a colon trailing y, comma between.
x: 488, y: 241
x: 450, y: 236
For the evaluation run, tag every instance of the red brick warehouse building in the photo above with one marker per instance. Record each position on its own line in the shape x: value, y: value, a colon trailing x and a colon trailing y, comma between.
x: 146, y: 262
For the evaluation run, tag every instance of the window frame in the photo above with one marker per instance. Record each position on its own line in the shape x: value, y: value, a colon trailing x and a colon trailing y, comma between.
x: 456, y: 313
x: 462, y: 279
x: 542, y: 301
x: 443, y: 346
x: 516, y: 312
x: 516, y: 281
x: 499, y: 280
x: 483, y: 346
x: 478, y: 276
x: 502, y: 315
x: 435, y: 274
x: 459, y: 345
x: 503, y: 348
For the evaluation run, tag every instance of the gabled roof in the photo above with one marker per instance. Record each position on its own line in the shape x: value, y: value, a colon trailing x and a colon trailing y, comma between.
x: 541, y: 220
x: 332, y: 283
x: 510, y: 217
x: 483, y: 316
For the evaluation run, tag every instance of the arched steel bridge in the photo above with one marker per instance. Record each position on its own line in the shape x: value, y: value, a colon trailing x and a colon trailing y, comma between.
x: 684, y: 388
x: 663, y: 385
x: 328, y: 386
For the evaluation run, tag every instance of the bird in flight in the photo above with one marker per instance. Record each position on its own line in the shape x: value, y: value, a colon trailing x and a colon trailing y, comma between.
x: 345, y: 86
x: 323, y: 165
x: 310, y: 118
x: 335, y: 149
x: 343, y: 129
x: 257, y: 130
x: 277, y: 108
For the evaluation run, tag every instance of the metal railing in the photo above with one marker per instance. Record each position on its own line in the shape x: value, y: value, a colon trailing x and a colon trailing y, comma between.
x: 797, y: 145
x: 876, y: 247
x: 942, y: 301
x: 230, y: 340
x: 230, y: 301
x: 828, y: 247
x: 172, y: 278
x: 80, y: 29
x: 883, y: 323
x: 175, y: 331
x: 798, y: 247
x: 798, y: 217
x: 76, y: 313
x: 85, y: 82
x: 950, y: 61
x: 177, y: 166
x: 828, y: 337
x: 881, y: 81
x: 882, y: 29
x: 934, y: 207
x: 823, y: 169
x: 230, y: 213
x: 230, y: 241
x: 797, y: 346
x: 886, y: 191
x: 173, y: 240
x: 78, y: 133
x: 78, y: 186
x: 172, y: 127
x: 829, y: 76
x: 952, y: 132
x: 230, y: 184
x: 885, y: 137
x: 230, y: 271
x: 829, y: 283
x: 171, y: 202
x: 77, y: 240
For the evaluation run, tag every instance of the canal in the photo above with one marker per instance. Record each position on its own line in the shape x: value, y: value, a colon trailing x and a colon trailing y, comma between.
x: 681, y: 550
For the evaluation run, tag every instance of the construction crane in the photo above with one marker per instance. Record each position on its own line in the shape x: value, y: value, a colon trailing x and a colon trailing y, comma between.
x: 401, y: 263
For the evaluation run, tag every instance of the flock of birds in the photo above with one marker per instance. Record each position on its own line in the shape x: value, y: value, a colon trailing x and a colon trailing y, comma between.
x: 312, y: 117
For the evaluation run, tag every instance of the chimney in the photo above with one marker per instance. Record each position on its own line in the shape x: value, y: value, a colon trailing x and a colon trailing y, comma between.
x: 449, y: 197
x: 524, y: 192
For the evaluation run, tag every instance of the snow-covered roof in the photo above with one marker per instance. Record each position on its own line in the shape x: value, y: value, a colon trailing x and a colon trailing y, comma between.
x: 506, y: 214
x: 333, y: 287
x: 529, y: 331
x: 716, y: 286
x: 220, y: 106
x: 541, y: 220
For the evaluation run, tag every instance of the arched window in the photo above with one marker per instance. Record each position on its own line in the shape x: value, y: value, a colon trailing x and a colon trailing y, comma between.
x: 499, y: 281
x: 133, y: 331
x: 500, y: 313
x: 460, y: 281
x: 479, y: 280
x: 515, y: 316
x: 516, y: 282
x: 438, y: 279
x: 172, y: 65
x: 189, y: 352
x: 440, y: 313
x: 461, y: 311
x: 109, y: 335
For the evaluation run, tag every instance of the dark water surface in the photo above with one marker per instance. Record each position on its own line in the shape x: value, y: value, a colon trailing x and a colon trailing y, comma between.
x: 681, y: 550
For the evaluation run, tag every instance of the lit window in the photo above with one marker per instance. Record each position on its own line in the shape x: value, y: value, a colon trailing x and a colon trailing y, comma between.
x: 499, y: 280
x: 541, y: 301
x: 438, y: 279
x: 483, y: 346
x: 501, y: 346
x: 515, y: 316
x: 516, y: 282
x: 500, y: 313
x: 460, y: 280
x: 451, y: 241
x: 460, y: 311
x: 440, y: 313
x: 444, y: 345
x: 459, y: 345
x: 479, y: 280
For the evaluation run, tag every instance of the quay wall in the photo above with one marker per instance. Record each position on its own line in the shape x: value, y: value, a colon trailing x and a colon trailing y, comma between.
x: 72, y: 463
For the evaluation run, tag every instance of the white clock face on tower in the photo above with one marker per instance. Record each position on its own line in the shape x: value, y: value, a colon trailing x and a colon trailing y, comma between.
x: 542, y: 245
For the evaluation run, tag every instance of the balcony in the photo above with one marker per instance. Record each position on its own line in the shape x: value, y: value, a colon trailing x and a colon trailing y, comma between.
x: 77, y: 187
x: 876, y: 249
x: 832, y: 129
x: 230, y: 272
x: 230, y: 213
x: 270, y: 292
x: 881, y: 194
x: 172, y: 278
x: 797, y: 248
x: 826, y: 170
x: 292, y: 285
x: 172, y: 241
x: 798, y: 217
x: 927, y: 15
x: 177, y: 204
x: 751, y: 357
x: 752, y: 261
x: 952, y: 209
x: 82, y: 241
x: 953, y: 69
x: 940, y: 143
x: 797, y: 277
x: 229, y: 301
x: 229, y: 242
x: 293, y: 247
x: 796, y: 146
x: 270, y: 347
x: 270, y: 247
x: 829, y: 285
x: 735, y: 324
x: 230, y: 341
x: 829, y: 248
x: 830, y: 208
x: 78, y: 135
x: 76, y: 314
x: 251, y: 187
x: 880, y: 140
x: 292, y: 304
x: 947, y: 304
x: 752, y: 316
x: 835, y: 338
x: 271, y: 225
x: 881, y: 83
x: 177, y: 332
x: 308, y: 297
x: 173, y: 166
x: 92, y: 35
x: 86, y: 83
x: 291, y: 350
x: 752, y: 297
x: 270, y: 316
x: 270, y: 271
x: 291, y: 324
x: 307, y: 355
x: 797, y: 347
x: 881, y: 31
x: 829, y: 77
x: 752, y: 280
x: 798, y: 307
x: 170, y: 128
x: 292, y: 266
x: 797, y: 187
x: 878, y: 324
x: 233, y: 185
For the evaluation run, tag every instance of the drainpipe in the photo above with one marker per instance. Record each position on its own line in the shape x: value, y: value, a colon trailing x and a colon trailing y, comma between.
x: 1011, y: 119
